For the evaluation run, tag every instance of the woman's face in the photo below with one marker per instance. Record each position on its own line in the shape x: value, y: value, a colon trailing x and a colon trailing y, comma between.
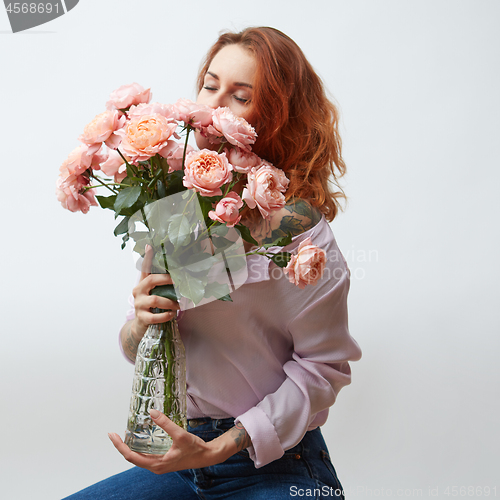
x: 229, y: 82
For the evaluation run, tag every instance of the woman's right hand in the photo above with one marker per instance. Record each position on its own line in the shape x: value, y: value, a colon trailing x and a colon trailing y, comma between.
x: 133, y: 331
x: 144, y: 302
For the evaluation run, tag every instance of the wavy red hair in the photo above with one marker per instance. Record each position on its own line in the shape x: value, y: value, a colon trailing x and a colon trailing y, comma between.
x: 296, y: 123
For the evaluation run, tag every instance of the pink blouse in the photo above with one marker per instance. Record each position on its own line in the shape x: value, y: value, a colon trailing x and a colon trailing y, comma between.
x: 276, y: 357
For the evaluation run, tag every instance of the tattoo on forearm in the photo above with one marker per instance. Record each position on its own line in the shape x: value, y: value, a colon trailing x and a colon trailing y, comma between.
x: 130, y: 344
x: 240, y: 436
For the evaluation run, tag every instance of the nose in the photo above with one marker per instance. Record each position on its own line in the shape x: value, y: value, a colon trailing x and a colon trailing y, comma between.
x: 213, y: 99
x: 218, y: 100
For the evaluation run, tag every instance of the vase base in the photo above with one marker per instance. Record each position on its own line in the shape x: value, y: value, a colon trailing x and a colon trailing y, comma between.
x: 159, y: 445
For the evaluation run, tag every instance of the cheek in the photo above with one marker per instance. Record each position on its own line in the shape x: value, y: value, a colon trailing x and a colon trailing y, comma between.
x: 203, y: 97
x: 244, y: 112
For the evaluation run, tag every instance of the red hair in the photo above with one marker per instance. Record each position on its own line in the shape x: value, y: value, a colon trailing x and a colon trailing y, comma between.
x: 296, y: 123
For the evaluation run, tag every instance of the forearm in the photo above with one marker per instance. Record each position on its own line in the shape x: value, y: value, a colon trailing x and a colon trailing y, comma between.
x: 232, y: 441
x: 130, y: 339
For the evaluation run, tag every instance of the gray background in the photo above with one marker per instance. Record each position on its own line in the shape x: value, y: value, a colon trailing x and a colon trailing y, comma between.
x: 418, y: 87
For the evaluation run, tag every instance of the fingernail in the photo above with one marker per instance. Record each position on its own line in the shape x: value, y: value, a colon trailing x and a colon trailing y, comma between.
x: 154, y: 413
x: 109, y: 435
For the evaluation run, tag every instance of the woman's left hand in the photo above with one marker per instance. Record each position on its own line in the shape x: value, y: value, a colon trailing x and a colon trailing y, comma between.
x: 188, y: 451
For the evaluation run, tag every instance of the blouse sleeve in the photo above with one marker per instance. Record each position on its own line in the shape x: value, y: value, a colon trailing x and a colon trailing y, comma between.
x: 318, y: 369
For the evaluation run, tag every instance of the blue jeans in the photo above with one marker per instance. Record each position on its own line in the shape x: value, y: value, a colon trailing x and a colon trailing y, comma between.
x: 303, y: 471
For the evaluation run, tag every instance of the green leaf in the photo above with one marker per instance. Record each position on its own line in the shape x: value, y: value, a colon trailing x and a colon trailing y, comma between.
x: 161, y: 189
x: 206, y: 206
x: 160, y: 262
x: 211, y: 199
x: 124, y: 240
x: 122, y: 227
x: 130, y: 170
x: 127, y: 198
x: 140, y: 235
x: 174, y: 184
x: 166, y: 291
x: 107, y: 201
x: 202, y: 265
x: 217, y: 290
x: 245, y: 234
x: 129, y: 212
x: 178, y: 229
x: 140, y: 246
x: 191, y: 288
x: 222, y: 244
x: 226, y: 298
x: 281, y: 259
x: 220, y: 230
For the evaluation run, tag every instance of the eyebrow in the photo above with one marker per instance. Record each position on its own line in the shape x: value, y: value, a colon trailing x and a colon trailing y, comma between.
x: 238, y: 84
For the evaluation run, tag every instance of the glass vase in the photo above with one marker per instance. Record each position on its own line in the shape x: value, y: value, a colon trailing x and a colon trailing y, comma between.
x: 159, y: 383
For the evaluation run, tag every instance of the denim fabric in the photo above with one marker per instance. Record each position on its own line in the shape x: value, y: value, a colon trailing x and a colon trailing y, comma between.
x: 303, y: 471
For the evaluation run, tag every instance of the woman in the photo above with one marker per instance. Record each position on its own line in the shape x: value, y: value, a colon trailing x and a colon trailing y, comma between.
x: 264, y: 369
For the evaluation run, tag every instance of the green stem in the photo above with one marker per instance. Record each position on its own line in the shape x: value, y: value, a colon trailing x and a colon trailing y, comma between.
x: 129, y: 165
x: 157, y: 175
x: 188, y: 128
x: 169, y: 368
x: 103, y: 184
x: 164, y: 257
x: 144, y: 219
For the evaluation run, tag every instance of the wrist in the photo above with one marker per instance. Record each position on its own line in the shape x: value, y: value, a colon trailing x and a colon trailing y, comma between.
x: 137, y: 330
x: 222, y: 448
x: 231, y: 442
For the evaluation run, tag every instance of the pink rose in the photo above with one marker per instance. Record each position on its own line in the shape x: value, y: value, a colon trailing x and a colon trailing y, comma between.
x: 235, y: 129
x: 121, y: 174
x: 113, y: 164
x: 72, y: 195
x: 242, y: 161
x: 206, y: 171
x: 227, y: 210
x: 80, y: 159
x: 265, y: 188
x: 307, y: 267
x: 174, y: 158
x: 97, y: 158
x: 77, y: 161
x: 146, y: 136
x: 196, y: 115
x: 127, y: 95
x: 166, y: 110
x: 101, y: 129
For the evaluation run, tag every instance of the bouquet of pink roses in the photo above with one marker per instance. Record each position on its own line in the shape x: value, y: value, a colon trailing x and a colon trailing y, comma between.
x: 136, y: 143
x: 186, y: 204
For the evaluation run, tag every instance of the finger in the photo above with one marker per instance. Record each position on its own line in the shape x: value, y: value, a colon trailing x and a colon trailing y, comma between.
x: 144, y: 461
x: 149, y: 318
x: 173, y: 430
x: 146, y: 263
x: 160, y: 279
x: 160, y: 302
x: 149, y: 281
